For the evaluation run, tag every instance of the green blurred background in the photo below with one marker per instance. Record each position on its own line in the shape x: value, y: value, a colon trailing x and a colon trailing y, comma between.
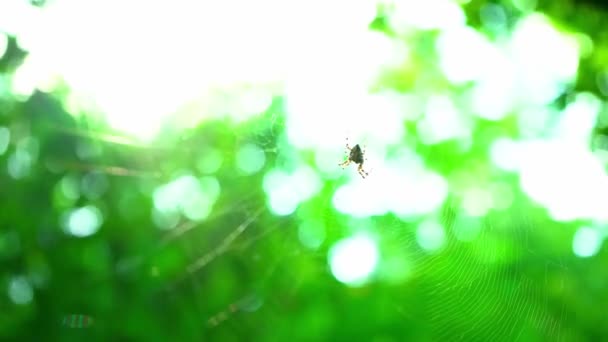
x: 169, y: 170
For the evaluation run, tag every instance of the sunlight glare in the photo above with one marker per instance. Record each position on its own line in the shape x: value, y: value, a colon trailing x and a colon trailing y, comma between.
x: 426, y: 15
x: 567, y: 179
x: 327, y: 97
x: 443, y: 121
x: 464, y: 54
x: 400, y: 185
x: 326, y: 93
x: 139, y: 74
x: 16, y: 16
x: 547, y: 59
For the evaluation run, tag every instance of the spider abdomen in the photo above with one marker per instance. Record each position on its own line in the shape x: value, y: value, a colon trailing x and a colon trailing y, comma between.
x: 356, y: 155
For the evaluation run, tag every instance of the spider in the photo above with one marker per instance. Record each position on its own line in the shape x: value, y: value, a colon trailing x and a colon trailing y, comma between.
x: 357, y: 156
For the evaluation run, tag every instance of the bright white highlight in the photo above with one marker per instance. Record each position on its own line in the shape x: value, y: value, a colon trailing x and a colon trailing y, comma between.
x: 531, y: 69
x: 587, y: 242
x: 353, y: 260
x: 83, y: 222
x: 139, y: 74
x: 546, y: 59
x: 578, y: 119
x: 426, y: 15
x: 442, y: 121
x: 505, y: 154
x: 327, y: 96
x: 175, y: 61
x: 567, y: 179
x: 464, y: 54
x: 402, y: 186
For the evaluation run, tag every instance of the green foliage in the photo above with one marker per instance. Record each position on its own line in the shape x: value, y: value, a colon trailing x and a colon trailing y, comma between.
x: 241, y: 272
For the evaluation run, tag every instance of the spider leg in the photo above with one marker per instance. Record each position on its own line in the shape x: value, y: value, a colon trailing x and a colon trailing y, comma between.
x: 345, y: 163
x: 348, y: 148
x: 361, y: 171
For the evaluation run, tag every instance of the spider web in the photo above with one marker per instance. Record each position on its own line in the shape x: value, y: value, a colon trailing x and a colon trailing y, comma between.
x: 232, y: 268
x: 242, y: 269
x: 490, y: 286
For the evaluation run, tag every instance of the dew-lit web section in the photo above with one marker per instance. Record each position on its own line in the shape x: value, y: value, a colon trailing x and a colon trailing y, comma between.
x: 228, y: 216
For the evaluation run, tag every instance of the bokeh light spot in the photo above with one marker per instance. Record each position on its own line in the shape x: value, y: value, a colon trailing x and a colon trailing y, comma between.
x: 566, y: 178
x: 282, y: 199
x: 430, y: 235
x: 442, y: 121
x: 185, y: 196
x: 587, y: 242
x: 83, y: 222
x: 354, y: 259
x: 69, y: 187
x: 504, y: 154
x: 67, y: 191
x: 250, y: 158
x: 286, y: 190
x: 464, y: 54
x: 494, y: 18
x: 20, y: 290
x: 578, y: 119
x: 24, y: 156
x: 19, y: 164
x: 546, y: 58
